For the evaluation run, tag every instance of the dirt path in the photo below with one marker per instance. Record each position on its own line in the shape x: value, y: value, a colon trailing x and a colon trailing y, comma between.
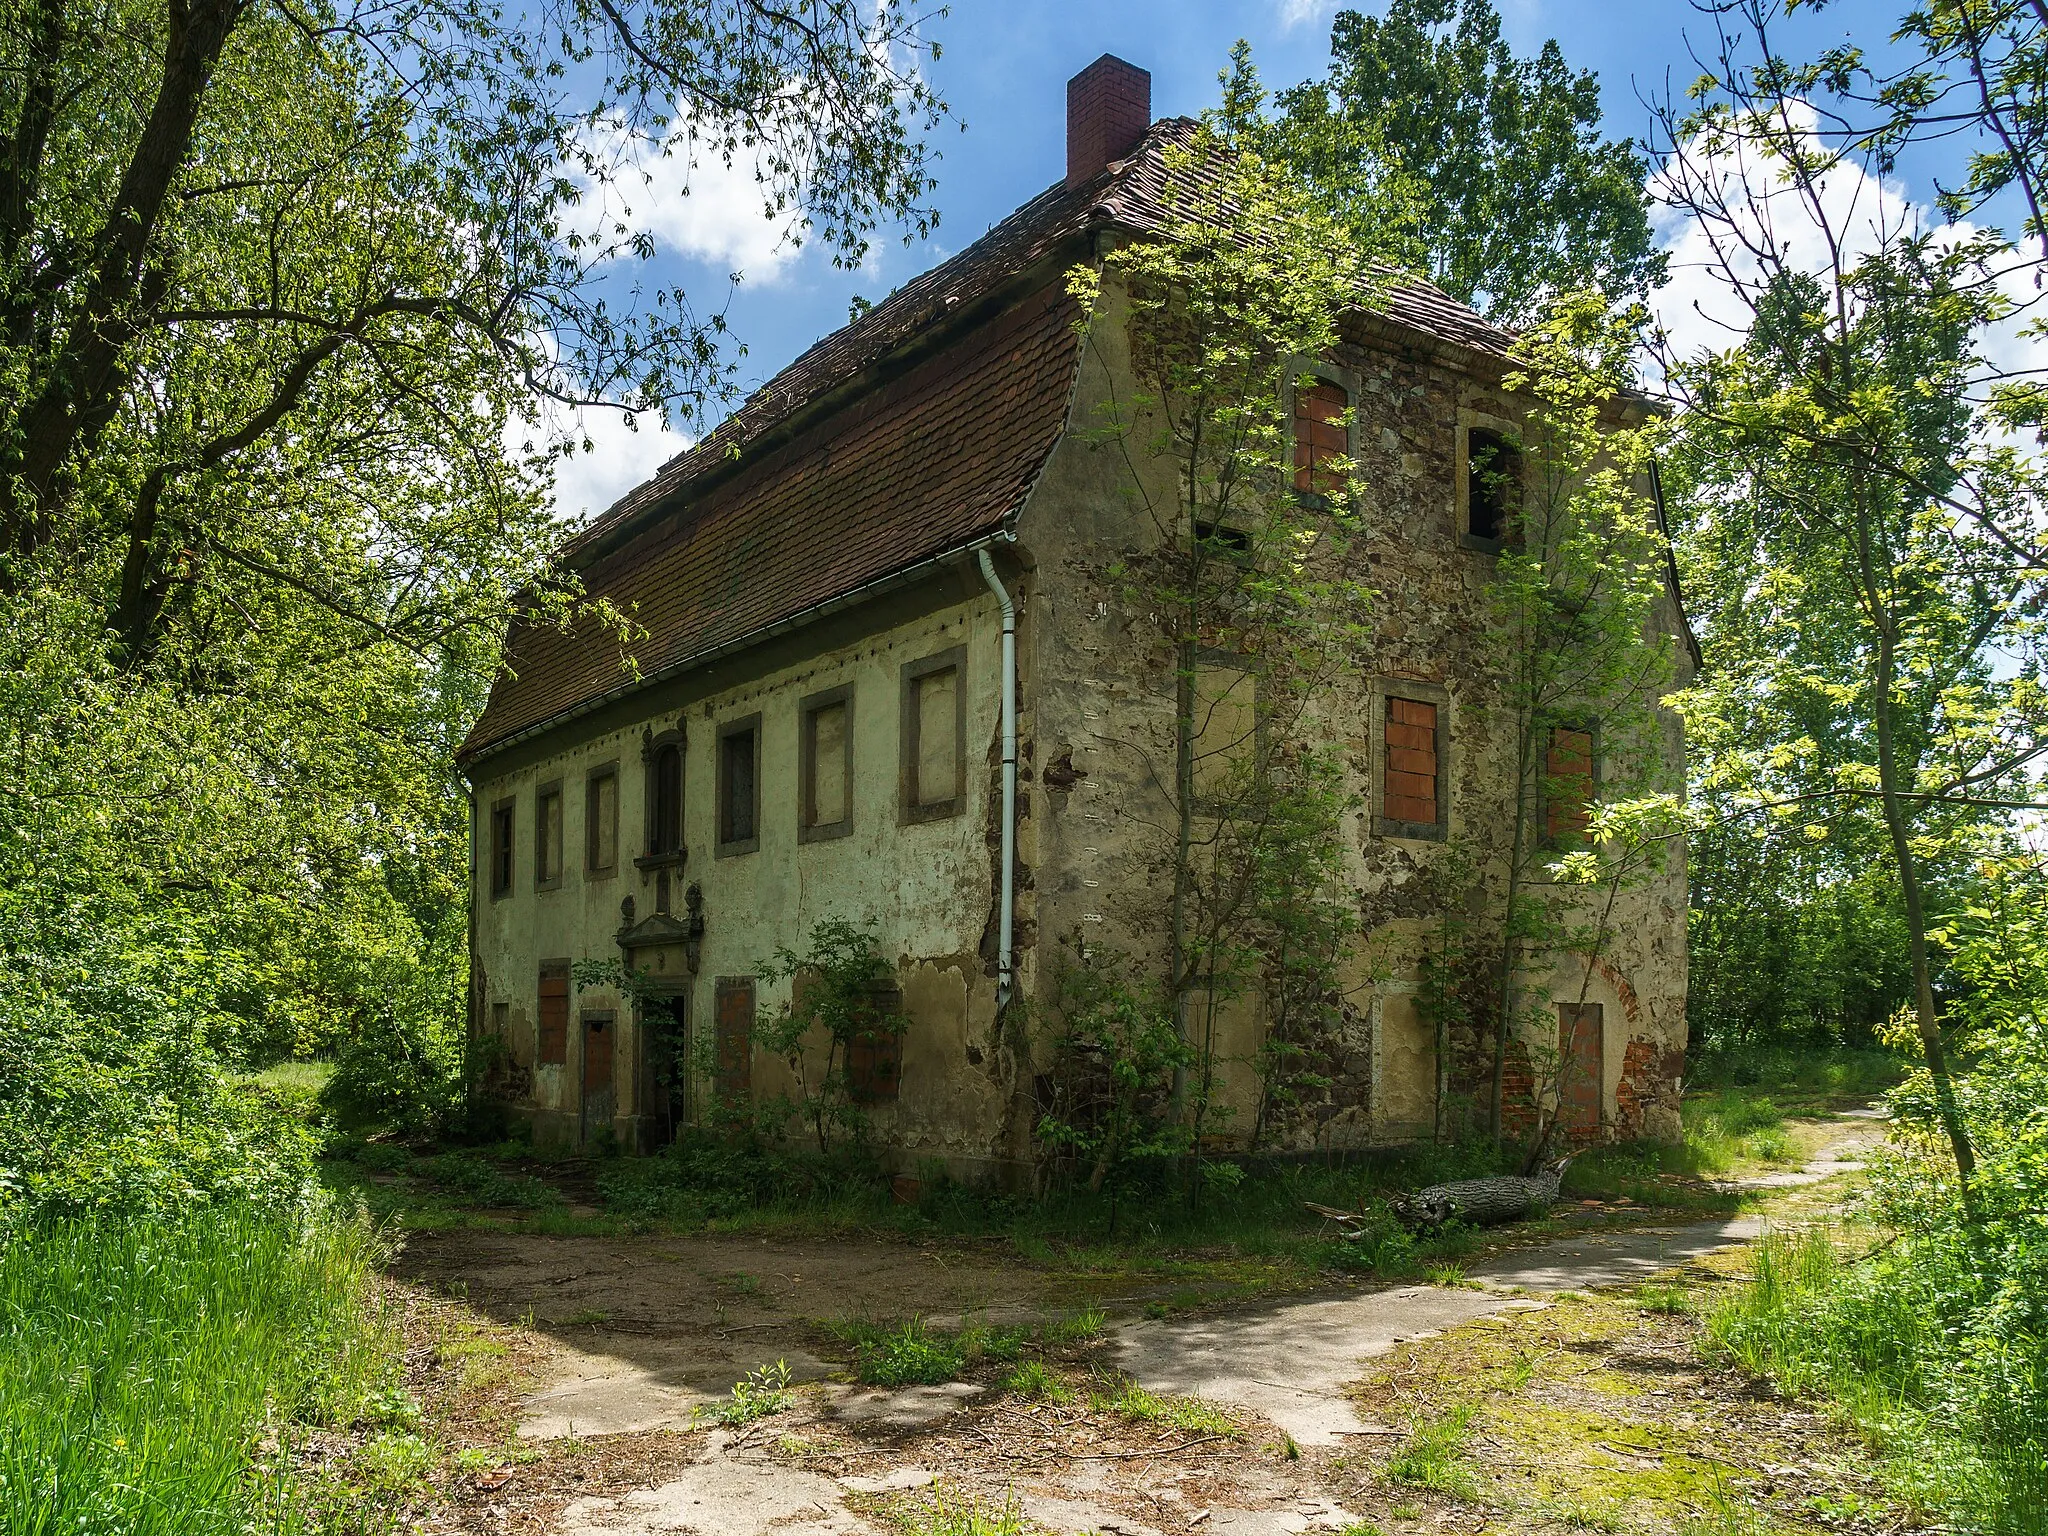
x: 1542, y: 1405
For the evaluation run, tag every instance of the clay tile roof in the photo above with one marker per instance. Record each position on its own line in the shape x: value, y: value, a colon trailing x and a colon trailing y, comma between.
x: 906, y: 435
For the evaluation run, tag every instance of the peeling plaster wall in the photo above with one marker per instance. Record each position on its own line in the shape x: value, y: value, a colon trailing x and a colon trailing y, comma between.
x: 1102, y: 729
x: 928, y: 886
x: 1096, y: 722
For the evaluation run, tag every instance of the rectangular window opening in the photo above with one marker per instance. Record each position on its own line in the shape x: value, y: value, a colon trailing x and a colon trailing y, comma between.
x: 739, y: 786
x: 1411, y: 772
x: 554, y: 1014
x: 1493, y: 478
x: 934, y: 725
x: 825, y: 778
x: 1321, y: 436
x: 501, y: 848
x: 547, y: 837
x: 601, y: 821
x: 1568, y: 791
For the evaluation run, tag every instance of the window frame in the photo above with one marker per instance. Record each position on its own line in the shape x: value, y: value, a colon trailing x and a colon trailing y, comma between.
x: 503, y: 846
x: 1590, y: 729
x: 1260, y: 741
x: 909, y: 809
x: 808, y: 828
x: 591, y: 779
x: 1414, y: 692
x: 725, y: 847
x: 651, y: 748
x: 551, y: 970
x: 1470, y: 421
x: 542, y: 880
x: 1347, y: 379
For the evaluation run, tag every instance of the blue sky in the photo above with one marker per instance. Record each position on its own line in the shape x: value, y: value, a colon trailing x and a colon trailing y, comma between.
x: 1003, y: 71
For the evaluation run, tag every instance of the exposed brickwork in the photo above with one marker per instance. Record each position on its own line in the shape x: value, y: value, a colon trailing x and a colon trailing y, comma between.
x: 1650, y: 1076
x: 1109, y: 107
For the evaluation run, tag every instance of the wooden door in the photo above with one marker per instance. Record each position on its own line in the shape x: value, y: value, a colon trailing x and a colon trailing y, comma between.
x: 1580, y: 1027
x: 734, y: 1040
x: 600, y: 1102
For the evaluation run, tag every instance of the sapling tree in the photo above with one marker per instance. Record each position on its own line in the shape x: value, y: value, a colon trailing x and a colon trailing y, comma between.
x: 1248, y: 567
x: 1584, y: 661
x: 842, y: 1001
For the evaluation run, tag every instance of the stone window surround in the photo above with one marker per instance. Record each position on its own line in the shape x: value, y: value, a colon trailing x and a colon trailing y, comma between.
x: 727, y: 729
x: 1378, y: 691
x: 591, y: 868
x: 807, y: 829
x: 1461, y: 463
x: 1350, y: 380
x: 541, y: 881
x: 504, y: 846
x: 651, y: 747
x: 909, y: 811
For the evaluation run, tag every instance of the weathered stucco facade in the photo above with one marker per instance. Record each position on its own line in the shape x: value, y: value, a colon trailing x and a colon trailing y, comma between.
x: 956, y: 418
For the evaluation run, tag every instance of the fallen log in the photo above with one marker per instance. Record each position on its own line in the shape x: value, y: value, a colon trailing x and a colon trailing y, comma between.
x: 1480, y: 1202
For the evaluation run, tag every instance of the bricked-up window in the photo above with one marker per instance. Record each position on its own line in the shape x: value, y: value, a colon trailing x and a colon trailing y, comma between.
x: 1493, y: 479
x: 547, y: 837
x: 665, y: 800
x: 1226, y: 730
x: 733, y: 1040
x: 1568, y: 791
x: 739, y: 786
x: 1582, y: 1063
x: 501, y: 848
x: 601, y: 820
x: 1413, y: 756
x: 554, y: 1013
x: 934, y: 727
x: 1321, y: 410
x: 825, y: 772
x: 874, y: 1057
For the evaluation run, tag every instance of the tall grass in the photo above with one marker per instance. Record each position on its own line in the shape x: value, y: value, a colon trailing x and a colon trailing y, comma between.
x: 1927, y: 1348
x: 148, y: 1369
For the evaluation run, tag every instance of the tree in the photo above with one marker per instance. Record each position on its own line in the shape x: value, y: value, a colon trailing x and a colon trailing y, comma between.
x: 1574, y: 603
x: 1874, y: 528
x: 1247, y: 571
x: 273, y: 281
x: 1436, y: 144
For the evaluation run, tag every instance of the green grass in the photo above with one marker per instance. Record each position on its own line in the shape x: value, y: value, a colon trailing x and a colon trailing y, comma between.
x: 1130, y: 1401
x: 1942, y: 1376
x: 904, y: 1354
x: 1434, y: 1455
x: 759, y: 1394
x: 1035, y: 1379
x: 142, y: 1366
x: 946, y: 1512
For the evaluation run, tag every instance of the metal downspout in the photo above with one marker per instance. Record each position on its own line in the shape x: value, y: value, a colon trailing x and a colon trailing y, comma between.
x: 1006, y: 955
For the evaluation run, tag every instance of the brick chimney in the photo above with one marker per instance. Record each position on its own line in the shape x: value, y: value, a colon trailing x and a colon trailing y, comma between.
x: 1109, y: 107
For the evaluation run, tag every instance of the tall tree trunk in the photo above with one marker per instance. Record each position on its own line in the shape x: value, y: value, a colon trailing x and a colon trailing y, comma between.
x: 1908, y: 866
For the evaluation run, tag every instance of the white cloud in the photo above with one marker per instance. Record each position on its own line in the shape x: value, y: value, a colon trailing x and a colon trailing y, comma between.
x: 1716, y: 262
x: 689, y: 202
x: 619, y: 458
x: 1294, y: 14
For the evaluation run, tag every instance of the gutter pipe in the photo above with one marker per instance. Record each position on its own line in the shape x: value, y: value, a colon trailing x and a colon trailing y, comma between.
x: 1006, y: 953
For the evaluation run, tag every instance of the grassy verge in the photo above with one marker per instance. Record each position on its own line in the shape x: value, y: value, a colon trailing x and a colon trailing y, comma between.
x: 1949, y: 1392
x: 152, y: 1376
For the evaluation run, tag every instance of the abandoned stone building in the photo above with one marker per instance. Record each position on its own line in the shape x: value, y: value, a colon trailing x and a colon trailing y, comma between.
x: 877, y: 676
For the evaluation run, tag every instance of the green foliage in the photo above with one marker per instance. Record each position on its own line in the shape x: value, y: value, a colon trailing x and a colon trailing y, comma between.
x: 1118, y: 1055
x: 842, y: 997
x: 947, y: 1512
x: 1189, y: 1414
x: 1484, y: 171
x: 901, y: 1354
x: 760, y: 1394
x: 703, y: 1178
x: 1035, y: 1379
x: 142, y: 1365
x: 1947, y: 1375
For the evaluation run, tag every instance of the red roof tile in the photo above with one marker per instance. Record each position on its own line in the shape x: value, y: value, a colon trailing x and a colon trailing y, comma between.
x: 794, y: 500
